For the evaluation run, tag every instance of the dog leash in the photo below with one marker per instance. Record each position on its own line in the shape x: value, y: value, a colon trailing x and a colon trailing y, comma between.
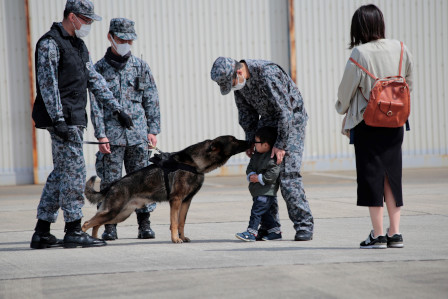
x: 150, y: 145
x: 121, y: 135
x: 97, y: 142
x: 94, y: 142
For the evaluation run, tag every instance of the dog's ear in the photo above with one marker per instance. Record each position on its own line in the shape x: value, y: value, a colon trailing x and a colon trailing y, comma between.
x: 211, y: 148
x: 215, y: 146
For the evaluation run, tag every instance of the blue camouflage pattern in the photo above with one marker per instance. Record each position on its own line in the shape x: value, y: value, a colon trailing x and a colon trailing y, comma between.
x: 128, y: 146
x: 271, y: 98
x: 123, y: 28
x: 223, y: 71
x: 65, y: 185
x: 82, y: 7
x: 47, y: 65
x: 142, y: 105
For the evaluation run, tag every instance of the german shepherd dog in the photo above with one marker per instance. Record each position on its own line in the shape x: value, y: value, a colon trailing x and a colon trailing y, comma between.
x: 174, y: 177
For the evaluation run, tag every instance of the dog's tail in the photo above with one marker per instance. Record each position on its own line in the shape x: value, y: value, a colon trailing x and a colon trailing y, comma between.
x: 92, y: 195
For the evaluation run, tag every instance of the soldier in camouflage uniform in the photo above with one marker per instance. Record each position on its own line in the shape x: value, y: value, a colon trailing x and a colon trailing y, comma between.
x: 265, y: 95
x: 64, y: 72
x: 131, y: 81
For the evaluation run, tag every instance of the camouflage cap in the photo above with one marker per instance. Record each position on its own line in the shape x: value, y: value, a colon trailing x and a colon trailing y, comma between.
x: 123, y: 28
x: 82, y: 7
x: 222, y: 72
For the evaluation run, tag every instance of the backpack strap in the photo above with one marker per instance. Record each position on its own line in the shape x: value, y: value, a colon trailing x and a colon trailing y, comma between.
x: 364, y: 69
x: 401, y: 59
x: 367, y: 72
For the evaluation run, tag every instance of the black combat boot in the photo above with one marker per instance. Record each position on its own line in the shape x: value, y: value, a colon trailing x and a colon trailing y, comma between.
x: 303, y: 235
x: 144, y: 228
x: 75, y: 237
x: 42, y: 238
x: 110, y: 232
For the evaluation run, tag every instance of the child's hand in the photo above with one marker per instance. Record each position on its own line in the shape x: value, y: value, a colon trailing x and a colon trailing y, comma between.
x: 253, y: 178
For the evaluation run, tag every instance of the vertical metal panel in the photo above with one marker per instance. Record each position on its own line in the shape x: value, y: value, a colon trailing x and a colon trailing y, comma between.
x: 180, y: 39
x: 4, y: 101
x: 15, y: 133
x: 322, y: 37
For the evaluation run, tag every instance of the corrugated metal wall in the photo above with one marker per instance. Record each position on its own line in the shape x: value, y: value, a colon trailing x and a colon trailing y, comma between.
x: 180, y: 40
x: 15, y: 126
x: 322, y: 36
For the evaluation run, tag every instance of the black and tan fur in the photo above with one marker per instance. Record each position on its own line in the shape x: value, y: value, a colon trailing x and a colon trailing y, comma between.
x: 147, y: 185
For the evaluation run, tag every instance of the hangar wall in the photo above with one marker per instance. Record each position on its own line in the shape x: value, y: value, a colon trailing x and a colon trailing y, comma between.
x: 322, y: 29
x: 180, y: 39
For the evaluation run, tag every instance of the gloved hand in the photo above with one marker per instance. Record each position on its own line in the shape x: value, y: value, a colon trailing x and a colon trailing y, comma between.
x: 61, y: 129
x: 124, y: 119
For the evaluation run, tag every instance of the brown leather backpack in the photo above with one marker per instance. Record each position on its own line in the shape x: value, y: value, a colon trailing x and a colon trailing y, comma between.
x: 389, y: 104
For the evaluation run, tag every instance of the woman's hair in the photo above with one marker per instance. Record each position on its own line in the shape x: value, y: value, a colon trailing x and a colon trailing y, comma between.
x: 367, y: 25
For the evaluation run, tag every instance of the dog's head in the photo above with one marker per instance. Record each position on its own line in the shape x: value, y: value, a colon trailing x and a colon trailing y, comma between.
x: 211, y: 154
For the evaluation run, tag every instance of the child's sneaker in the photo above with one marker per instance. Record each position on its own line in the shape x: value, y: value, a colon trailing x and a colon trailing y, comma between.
x: 261, y: 234
x: 379, y: 242
x: 245, y: 236
x: 272, y: 237
x: 396, y: 241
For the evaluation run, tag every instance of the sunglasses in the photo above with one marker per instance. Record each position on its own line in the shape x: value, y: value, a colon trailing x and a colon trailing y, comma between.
x: 86, y: 20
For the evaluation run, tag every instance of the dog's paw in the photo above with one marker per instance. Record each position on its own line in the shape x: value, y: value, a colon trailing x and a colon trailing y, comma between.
x: 85, y: 226
x: 177, y: 240
x: 186, y: 240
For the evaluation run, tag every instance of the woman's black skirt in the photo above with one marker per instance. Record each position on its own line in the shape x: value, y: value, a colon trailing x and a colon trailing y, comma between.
x: 378, y: 154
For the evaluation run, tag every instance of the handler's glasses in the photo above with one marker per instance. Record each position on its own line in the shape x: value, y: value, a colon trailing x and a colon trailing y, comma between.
x: 87, y: 21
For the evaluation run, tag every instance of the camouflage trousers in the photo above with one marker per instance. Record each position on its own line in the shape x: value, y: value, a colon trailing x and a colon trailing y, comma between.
x: 109, y: 166
x: 291, y: 185
x: 292, y: 190
x: 65, y: 185
x: 298, y: 207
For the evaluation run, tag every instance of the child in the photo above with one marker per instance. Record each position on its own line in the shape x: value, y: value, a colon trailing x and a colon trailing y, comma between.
x: 262, y: 173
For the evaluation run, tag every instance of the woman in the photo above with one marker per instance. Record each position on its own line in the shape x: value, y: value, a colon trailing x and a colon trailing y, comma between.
x: 377, y: 149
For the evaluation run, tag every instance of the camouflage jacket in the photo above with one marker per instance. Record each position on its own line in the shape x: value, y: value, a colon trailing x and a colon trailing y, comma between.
x: 270, y: 98
x: 47, y: 65
x: 142, y: 105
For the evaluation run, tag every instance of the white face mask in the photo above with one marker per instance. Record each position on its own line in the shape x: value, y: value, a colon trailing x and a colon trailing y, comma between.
x: 122, y: 49
x: 239, y: 85
x: 83, y: 31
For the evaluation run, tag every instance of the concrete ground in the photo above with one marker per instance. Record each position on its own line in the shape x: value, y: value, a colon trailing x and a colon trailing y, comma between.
x: 217, y: 265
